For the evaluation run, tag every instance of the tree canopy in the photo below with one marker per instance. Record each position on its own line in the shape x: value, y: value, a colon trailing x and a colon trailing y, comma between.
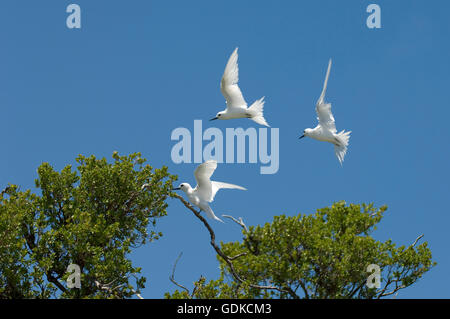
x: 322, y: 255
x: 91, y: 217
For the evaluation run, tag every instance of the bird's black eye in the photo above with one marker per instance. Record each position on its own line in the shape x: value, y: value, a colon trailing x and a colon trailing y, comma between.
x: 219, y: 115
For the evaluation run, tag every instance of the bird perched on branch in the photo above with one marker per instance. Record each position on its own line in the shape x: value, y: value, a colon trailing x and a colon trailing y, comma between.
x: 206, y: 190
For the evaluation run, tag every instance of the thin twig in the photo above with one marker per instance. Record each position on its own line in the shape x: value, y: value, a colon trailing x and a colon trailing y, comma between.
x: 110, y: 289
x: 172, y: 277
x: 239, y: 222
x: 237, y: 256
x: 415, y: 242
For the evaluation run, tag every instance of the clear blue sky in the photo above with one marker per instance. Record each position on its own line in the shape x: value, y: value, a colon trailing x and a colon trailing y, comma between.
x: 139, y: 69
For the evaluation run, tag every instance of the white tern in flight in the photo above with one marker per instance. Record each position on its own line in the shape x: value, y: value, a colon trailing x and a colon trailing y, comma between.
x: 326, y: 129
x: 206, y: 189
x: 236, y: 105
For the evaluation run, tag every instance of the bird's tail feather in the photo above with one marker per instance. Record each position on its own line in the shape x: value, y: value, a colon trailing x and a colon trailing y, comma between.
x: 256, y: 112
x: 341, y: 148
x: 209, y: 212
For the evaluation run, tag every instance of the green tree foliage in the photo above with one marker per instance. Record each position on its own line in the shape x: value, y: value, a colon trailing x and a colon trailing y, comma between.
x: 91, y: 217
x: 323, y: 255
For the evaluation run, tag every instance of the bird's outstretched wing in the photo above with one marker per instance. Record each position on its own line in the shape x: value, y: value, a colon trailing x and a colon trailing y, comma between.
x: 203, y: 174
x: 325, y: 117
x: 229, y: 84
x: 219, y: 185
x: 323, y: 110
x: 325, y: 83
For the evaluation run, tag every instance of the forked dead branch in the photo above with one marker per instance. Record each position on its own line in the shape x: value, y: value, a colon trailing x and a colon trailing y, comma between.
x: 227, y: 259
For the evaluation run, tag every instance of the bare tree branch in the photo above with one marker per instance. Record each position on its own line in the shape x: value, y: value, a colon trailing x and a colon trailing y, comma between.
x: 222, y: 254
x: 305, y: 291
x: 172, y: 277
x: 415, y: 242
x: 55, y: 281
x: 397, y: 288
x: 5, y: 191
x: 239, y: 222
x: 383, y: 292
x: 237, y: 256
x: 110, y: 289
x: 134, y: 291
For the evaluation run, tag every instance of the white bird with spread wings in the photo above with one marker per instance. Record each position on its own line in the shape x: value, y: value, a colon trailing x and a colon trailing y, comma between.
x: 206, y: 190
x: 326, y: 129
x: 236, y: 105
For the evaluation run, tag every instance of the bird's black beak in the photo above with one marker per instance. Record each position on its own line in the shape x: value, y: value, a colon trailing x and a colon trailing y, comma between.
x: 302, y: 136
x: 176, y: 188
x: 214, y: 118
